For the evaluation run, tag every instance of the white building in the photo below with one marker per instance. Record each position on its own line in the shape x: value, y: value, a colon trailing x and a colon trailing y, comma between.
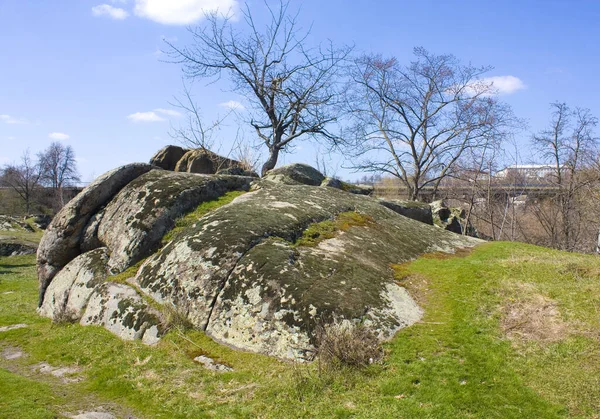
x: 530, y: 171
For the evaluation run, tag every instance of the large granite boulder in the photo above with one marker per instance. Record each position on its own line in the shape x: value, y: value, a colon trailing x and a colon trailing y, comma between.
x: 67, y: 295
x: 61, y: 240
x: 259, y: 274
x: 204, y: 161
x: 167, y: 157
x: 295, y: 174
x: 452, y: 219
x: 134, y: 222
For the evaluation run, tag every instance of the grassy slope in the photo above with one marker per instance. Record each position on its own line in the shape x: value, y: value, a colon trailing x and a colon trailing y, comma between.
x: 455, y: 363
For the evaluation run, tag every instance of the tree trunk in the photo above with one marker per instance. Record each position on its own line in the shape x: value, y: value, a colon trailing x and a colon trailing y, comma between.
x: 271, y: 161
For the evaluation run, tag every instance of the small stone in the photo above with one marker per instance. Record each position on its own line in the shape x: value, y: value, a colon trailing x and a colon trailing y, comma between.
x: 12, y: 327
x: 210, y: 364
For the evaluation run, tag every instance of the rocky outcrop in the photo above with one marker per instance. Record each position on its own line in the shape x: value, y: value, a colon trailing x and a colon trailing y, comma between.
x: 295, y: 174
x: 240, y: 275
x: 418, y: 211
x: 61, y: 240
x: 259, y: 274
x: 11, y: 246
x: 204, y: 161
x: 67, y: 295
x: 237, y: 171
x: 451, y: 219
x: 137, y: 218
x: 167, y: 157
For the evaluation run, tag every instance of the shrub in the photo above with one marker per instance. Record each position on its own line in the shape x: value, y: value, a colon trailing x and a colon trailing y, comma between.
x: 347, y: 343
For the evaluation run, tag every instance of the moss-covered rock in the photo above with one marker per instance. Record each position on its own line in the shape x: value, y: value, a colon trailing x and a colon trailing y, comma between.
x: 295, y: 174
x: 240, y: 275
x: 61, y: 241
x: 68, y: 293
x: 259, y: 271
x: 135, y: 221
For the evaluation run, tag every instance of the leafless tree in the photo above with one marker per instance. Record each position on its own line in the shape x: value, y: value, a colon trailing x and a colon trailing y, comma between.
x: 289, y: 88
x: 415, y: 122
x: 59, y: 169
x: 194, y: 131
x: 570, y: 146
x: 24, y: 178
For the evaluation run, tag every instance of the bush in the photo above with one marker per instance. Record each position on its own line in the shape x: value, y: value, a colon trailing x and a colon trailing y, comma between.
x: 346, y: 343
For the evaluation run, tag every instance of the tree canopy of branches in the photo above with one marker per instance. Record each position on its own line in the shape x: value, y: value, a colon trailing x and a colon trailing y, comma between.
x: 194, y: 131
x: 570, y: 146
x: 415, y: 122
x: 24, y: 178
x: 290, y: 89
x: 59, y: 169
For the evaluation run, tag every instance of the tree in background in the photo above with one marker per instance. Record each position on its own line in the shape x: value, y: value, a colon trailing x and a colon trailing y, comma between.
x: 291, y: 89
x: 59, y: 169
x: 23, y: 178
x: 570, y: 146
x: 415, y: 122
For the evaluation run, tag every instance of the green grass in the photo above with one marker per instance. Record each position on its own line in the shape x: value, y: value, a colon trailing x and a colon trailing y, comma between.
x: 204, y: 208
x: 317, y: 232
x: 456, y: 362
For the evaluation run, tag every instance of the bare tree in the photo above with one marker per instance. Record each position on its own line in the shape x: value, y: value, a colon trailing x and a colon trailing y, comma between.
x: 415, y: 122
x: 59, y: 169
x: 289, y: 88
x: 570, y: 146
x: 23, y: 178
x: 194, y: 131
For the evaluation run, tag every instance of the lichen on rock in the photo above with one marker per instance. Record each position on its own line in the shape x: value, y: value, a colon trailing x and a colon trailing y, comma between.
x: 260, y: 272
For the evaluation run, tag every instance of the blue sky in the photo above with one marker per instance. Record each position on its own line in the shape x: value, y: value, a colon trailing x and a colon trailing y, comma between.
x: 89, y: 72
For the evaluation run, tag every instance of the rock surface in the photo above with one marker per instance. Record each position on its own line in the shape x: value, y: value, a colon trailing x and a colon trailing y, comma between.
x: 259, y: 274
x: 137, y: 218
x: 69, y: 292
x: 451, y: 219
x: 295, y: 174
x: 11, y: 246
x: 167, y: 157
x: 418, y: 211
x: 204, y: 162
x: 61, y: 240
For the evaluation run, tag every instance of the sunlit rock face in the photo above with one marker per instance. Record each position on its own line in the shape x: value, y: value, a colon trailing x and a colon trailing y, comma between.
x: 259, y: 274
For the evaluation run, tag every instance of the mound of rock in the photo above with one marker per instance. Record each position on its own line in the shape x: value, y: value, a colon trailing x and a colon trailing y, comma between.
x: 197, y: 160
x: 260, y: 273
x: 451, y: 218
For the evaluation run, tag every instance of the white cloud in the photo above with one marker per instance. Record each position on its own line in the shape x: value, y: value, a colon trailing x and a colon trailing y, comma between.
x: 505, y: 84
x: 168, y: 112
x: 11, y: 138
x: 59, y: 136
x: 110, y: 11
x: 156, y: 115
x: 145, y: 117
x: 7, y: 119
x: 182, y: 12
x: 232, y: 104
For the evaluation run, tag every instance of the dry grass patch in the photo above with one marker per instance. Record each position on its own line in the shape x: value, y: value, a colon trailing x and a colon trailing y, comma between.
x: 531, y: 316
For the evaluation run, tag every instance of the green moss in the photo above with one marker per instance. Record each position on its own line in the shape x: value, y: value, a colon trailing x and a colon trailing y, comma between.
x: 317, y: 232
x: 183, y: 223
x: 126, y: 274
